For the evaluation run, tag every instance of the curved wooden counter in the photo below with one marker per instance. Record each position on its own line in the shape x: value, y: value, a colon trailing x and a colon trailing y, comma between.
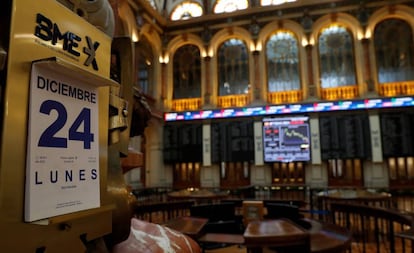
x: 198, y: 195
x: 281, y: 233
x: 328, y: 238
x: 355, y: 195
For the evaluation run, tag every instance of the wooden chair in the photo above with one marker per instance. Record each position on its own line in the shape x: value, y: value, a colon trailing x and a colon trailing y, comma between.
x: 252, y: 210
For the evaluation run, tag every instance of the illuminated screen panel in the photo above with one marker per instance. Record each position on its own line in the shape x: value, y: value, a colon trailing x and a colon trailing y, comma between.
x: 323, y: 106
x: 286, y: 139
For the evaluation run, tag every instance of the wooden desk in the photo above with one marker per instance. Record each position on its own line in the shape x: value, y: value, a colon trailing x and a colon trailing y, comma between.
x: 319, y: 238
x: 328, y: 238
x: 190, y: 226
x: 276, y: 233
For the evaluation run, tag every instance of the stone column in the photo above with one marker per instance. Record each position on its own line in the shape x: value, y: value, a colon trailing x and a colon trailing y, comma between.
x: 311, y: 85
x: 208, y: 90
x: 367, y: 65
x: 163, y: 81
x: 256, y: 89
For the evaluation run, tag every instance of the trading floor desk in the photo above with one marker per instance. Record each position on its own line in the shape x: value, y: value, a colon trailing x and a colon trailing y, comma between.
x: 286, y: 235
x: 190, y: 226
x: 281, y: 234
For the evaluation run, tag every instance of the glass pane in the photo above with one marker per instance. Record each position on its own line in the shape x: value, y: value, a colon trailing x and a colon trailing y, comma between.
x: 284, y: 172
x: 276, y: 172
x: 394, y: 48
x: 332, y: 168
x: 336, y: 56
x: 183, y: 172
x: 230, y: 5
x: 392, y: 168
x: 187, y: 72
x: 190, y: 171
x: 274, y: 2
x: 187, y: 10
x: 144, y: 67
x: 292, y: 172
x: 233, y: 68
x: 197, y: 170
x: 358, y: 169
x: 349, y: 170
x: 410, y: 167
x: 301, y: 176
x: 282, y: 62
x: 340, y: 167
x: 402, y: 172
x: 115, y: 71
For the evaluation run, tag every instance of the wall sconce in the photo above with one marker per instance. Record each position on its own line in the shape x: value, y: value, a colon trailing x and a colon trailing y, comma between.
x: 164, y: 59
x: 255, y: 48
x: 304, y: 42
x: 252, y: 47
x: 308, y: 42
x: 134, y: 37
x: 360, y: 36
x: 210, y: 53
x: 259, y: 46
x: 311, y: 42
x: 368, y: 34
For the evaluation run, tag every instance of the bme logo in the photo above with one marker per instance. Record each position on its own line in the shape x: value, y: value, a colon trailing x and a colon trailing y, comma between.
x: 49, y: 31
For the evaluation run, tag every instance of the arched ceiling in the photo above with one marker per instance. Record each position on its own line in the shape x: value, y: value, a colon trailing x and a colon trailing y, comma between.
x: 158, y: 12
x: 166, y: 7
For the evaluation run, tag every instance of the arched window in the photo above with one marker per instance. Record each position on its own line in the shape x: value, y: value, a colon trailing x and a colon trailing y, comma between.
x: 394, y: 49
x: 144, y: 65
x: 186, y: 10
x: 274, y: 2
x: 233, y: 68
x: 222, y: 6
x: 187, y: 72
x: 336, y: 57
x: 282, y: 62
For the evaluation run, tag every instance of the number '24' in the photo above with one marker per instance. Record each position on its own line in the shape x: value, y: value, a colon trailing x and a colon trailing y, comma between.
x: 48, y: 138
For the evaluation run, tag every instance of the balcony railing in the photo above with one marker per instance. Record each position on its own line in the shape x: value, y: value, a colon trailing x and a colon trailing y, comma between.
x: 284, y: 97
x: 233, y: 101
x: 343, y: 92
x: 186, y: 104
x: 396, y: 88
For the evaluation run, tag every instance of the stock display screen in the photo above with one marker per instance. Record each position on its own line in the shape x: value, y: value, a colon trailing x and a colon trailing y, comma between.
x: 286, y: 139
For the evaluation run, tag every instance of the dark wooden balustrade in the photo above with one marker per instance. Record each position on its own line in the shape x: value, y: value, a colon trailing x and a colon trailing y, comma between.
x: 375, y: 229
x: 161, y: 212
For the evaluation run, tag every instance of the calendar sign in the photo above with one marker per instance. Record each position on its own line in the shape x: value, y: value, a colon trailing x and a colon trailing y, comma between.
x: 62, y: 165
